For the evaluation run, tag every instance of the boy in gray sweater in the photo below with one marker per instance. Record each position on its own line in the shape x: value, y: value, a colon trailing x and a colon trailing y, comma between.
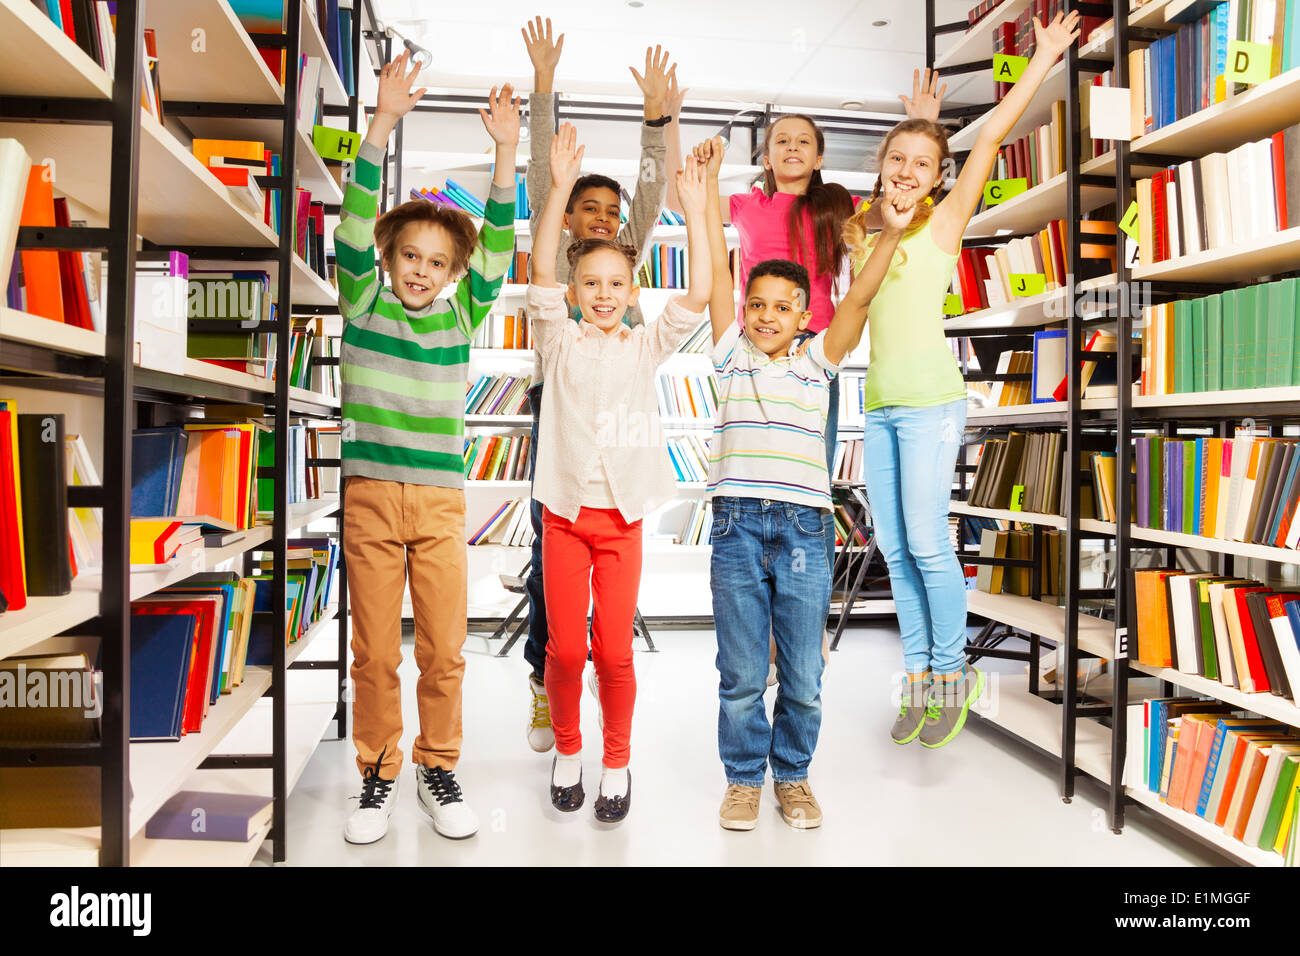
x: 592, y: 211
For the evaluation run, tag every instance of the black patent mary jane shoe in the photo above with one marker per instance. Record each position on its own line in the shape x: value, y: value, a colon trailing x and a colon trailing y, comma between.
x: 566, y: 799
x: 614, y: 809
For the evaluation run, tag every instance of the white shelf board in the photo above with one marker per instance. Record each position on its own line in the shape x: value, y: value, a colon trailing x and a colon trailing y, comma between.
x: 974, y: 415
x: 1031, y: 311
x: 1244, y: 549
x: 304, y: 395
x: 1258, y: 112
x: 38, y: 59
x: 1207, y: 831
x: 499, y: 421
x: 1266, y: 704
x: 1265, y: 255
x: 1000, y: 514
x: 30, y: 329
x: 1046, y: 620
x: 1282, y: 395
x: 313, y: 174
x: 1038, y: 721
x: 1035, y: 208
x: 226, y: 67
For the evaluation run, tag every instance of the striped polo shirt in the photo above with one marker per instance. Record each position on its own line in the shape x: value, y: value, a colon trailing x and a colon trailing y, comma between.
x: 770, y: 437
x: 403, y: 372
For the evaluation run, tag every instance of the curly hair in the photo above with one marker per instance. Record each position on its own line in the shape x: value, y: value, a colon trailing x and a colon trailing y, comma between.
x: 781, y: 269
x: 855, y: 230
x: 591, y: 181
x: 458, y: 224
x: 580, y: 248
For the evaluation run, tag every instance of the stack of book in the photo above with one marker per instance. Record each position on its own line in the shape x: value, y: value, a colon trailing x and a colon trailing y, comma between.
x: 1236, y: 772
x: 198, y: 470
x: 497, y: 458
x: 1239, y: 338
x: 1239, y: 489
x: 455, y: 195
x: 698, y: 526
x: 35, y: 555
x: 664, y: 268
x: 312, y: 568
x: 848, y: 461
x: 690, y: 457
x: 510, y: 525
x: 1238, y: 632
x: 306, y: 482
x: 518, y: 271
x: 504, y: 331
x: 1019, y: 545
x: 498, y: 395
x: 1017, y: 38
x: 1021, y: 472
x: 700, y: 341
x: 687, y: 396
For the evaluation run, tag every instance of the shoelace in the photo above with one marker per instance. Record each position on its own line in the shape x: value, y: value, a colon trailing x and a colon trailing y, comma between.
x: 374, y: 790
x: 541, y: 710
x: 747, y: 797
x: 443, y: 785
x: 799, y: 791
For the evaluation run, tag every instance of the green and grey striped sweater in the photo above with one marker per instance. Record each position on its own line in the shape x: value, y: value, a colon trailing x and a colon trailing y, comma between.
x: 403, y: 372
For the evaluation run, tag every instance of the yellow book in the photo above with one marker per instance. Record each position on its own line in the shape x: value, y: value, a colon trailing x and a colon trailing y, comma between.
x: 156, y: 542
x: 205, y: 149
x: 1288, y: 820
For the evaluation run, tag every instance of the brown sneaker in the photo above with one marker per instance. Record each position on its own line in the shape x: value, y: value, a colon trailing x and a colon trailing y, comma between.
x: 740, y: 807
x: 799, y: 807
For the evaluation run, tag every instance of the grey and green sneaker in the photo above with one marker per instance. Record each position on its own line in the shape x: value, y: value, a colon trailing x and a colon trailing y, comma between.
x: 946, y: 707
x: 911, y: 711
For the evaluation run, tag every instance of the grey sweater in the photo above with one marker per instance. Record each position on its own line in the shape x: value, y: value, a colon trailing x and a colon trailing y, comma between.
x: 647, y: 198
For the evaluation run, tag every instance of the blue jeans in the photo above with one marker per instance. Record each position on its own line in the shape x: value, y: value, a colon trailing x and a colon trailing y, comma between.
x: 535, y: 647
x: 910, y: 458
x: 769, y: 576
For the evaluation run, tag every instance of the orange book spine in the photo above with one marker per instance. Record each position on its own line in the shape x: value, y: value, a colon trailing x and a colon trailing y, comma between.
x: 41, y: 266
x: 1230, y: 785
x: 1254, y: 774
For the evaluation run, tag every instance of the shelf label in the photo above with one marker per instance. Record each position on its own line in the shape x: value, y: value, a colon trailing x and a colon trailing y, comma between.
x: 1027, y: 283
x: 1000, y: 190
x: 1121, y: 643
x: 1008, y: 68
x: 1248, y: 62
x: 1017, y: 498
x: 1129, y: 224
x: 952, y: 305
x: 333, y: 143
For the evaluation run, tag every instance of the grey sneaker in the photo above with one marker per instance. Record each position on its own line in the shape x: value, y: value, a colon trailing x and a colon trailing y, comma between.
x: 911, y: 712
x: 946, y: 707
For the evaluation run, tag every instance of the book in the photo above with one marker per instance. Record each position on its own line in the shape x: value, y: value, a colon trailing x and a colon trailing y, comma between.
x: 201, y: 815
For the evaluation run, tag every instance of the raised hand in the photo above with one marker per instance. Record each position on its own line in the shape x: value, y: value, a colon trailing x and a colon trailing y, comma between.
x: 566, y: 158
x: 501, y: 119
x: 690, y: 188
x: 673, y: 98
x: 654, y: 85
x: 542, y: 50
x: 925, y: 101
x: 1057, y: 36
x: 395, y: 98
x: 897, y: 209
x: 708, y: 155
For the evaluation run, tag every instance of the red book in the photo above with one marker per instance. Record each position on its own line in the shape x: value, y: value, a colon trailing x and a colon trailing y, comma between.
x: 1004, y: 41
x: 966, y: 279
x: 1254, y: 662
x: 72, y: 280
x: 11, y: 546
x: 266, y: 199
x: 1057, y: 247
x: 1279, y: 181
x: 234, y: 175
x: 199, y: 683
x: 65, y: 14
x: 1058, y: 394
x: 300, y: 223
x: 1159, y: 215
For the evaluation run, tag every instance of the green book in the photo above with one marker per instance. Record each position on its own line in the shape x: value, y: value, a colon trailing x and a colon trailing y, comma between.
x: 1249, y: 312
x: 1285, y: 783
x: 226, y: 298
x: 1295, y: 318
x: 1209, y: 654
x: 1155, y: 478
x: 1189, y: 487
x: 1278, y: 339
x: 1183, y: 348
x: 1228, y: 307
x: 1213, y: 343
x: 1198, y: 344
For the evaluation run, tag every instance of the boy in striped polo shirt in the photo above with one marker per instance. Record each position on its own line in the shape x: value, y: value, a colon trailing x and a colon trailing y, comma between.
x: 769, y: 488
x: 403, y: 367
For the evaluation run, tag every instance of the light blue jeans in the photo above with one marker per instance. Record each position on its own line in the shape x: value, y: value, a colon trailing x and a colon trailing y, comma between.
x: 910, y: 456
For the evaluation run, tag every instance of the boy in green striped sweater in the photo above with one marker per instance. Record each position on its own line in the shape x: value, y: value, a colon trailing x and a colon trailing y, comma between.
x: 403, y: 367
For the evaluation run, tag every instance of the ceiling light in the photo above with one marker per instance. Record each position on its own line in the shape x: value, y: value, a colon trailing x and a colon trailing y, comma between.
x: 636, y: 4
x: 880, y: 23
x: 851, y: 105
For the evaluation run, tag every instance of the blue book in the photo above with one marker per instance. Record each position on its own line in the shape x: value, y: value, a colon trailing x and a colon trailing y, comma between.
x: 161, y: 646
x: 227, y: 594
x: 333, y: 40
x: 345, y: 46
x: 157, y: 459
x: 53, y: 12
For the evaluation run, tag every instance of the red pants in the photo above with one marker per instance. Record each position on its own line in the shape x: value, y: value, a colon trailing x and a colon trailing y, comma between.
x: 597, y: 557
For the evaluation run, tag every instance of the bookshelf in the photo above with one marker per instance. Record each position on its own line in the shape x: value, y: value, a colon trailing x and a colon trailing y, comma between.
x: 133, y: 180
x: 1093, y: 733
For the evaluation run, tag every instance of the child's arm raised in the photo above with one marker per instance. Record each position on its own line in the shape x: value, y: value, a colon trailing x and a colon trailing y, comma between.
x: 682, y: 315
x: 845, y: 330
x: 954, y: 212
x: 354, y: 237
x: 673, y: 140
x: 722, y: 305
x: 545, y: 54
x: 564, y: 164
x: 648, y: 193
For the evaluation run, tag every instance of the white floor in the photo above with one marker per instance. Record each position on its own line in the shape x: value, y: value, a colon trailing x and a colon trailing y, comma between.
x: 982, y: 800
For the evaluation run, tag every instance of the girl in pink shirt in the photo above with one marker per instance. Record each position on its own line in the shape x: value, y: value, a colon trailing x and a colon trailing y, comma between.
x: 601, y: 464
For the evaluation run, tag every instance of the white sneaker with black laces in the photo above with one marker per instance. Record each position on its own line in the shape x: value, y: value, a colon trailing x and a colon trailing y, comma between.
x: 441, y: 799
x: 369, y: 821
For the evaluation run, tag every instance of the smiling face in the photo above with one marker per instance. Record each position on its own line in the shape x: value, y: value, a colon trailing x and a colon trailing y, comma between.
x: 594, y: 215
x: 601, y: 286
x: 911, y: 164
x: 792, y: 150
x: 775, y: 311
x: 419, y: 265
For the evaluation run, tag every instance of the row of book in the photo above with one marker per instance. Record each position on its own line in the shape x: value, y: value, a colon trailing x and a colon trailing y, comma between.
x: 1239, y: 489
x: 1183, y: 72
x: 687, y: 396
x: 983, y: 277
x: 510, y: 525
x: 665, y: 267
x: 844, y: 525
x: 497, y: 457
x: 1238, y: 632
x: 1220, y: 200
x: 1037, y: 156
x: 1018, y: 545
x: 498, y: 395
x: 1016, y: 37
x: 1045, y: 368
x: 1239, y: 338
x: 1236, y: 772
x: 852, y: 399
x: 847, y: 466
x: 333, y: 20
x: 457, y: 196
x: 697, y: 527
x: 1021, y: 472
x: 518, y: 271
x: 690, y: 456
x: 38, y: 461
x: 504, y: 331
